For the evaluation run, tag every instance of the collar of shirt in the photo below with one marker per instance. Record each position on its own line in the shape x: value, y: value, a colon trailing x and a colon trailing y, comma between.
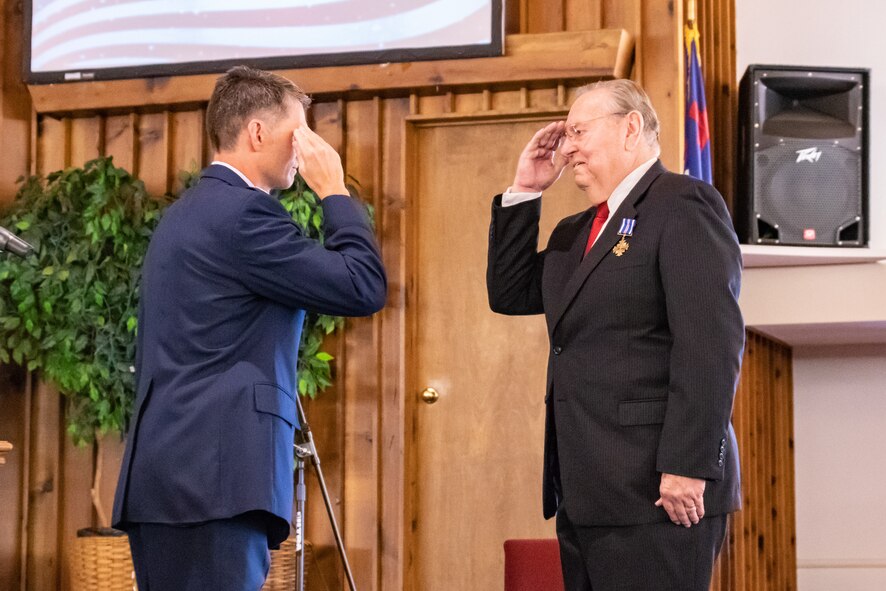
x: 627, y: 185
x: 240, y: 174
x: 624, y: 188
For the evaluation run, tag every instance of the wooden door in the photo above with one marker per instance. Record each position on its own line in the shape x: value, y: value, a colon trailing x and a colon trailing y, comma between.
x: 476, y: 453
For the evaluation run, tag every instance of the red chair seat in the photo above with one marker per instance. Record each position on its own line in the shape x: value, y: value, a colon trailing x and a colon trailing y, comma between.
x: 533, y: 565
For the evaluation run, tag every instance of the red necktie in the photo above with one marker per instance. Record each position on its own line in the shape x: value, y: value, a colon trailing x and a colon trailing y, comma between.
x: 599, y: 220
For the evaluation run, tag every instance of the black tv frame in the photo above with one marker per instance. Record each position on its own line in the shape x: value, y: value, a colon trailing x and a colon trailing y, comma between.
x: 492, y: 49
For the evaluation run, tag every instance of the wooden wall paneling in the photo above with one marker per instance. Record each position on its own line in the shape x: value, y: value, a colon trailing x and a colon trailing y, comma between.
x: 628, y: 15
x: 121, y: 143
x: 75, y: 503
x: 583, y: 15
x: 326, y: 413
x: 153, y: 156
x: 52, y: 145
x: 391, y: 229
x: 661, y: 74
x: 361, y: 485
x: 44, y: 486
x: 716, y: 21
x: 546, y: 17
x: 513, y: 16
x: 14, y: 401
x: 109, y: 457
x: 15, y: 102
x: 583, y: 54
x: 86, y: 139
x: 504, y: 100
x: 187, y: 142
x: 760, y: 552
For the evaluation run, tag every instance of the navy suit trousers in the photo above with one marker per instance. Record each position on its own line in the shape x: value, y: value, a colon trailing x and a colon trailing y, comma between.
x: 222, y: 555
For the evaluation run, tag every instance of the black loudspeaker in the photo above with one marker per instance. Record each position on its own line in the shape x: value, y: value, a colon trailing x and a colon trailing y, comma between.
x: 802, y: 170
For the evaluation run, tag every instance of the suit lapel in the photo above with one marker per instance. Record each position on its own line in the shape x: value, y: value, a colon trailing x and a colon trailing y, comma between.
x: 608, y: 238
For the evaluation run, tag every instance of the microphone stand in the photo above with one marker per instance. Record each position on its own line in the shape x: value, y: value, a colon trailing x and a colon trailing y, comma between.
x: 306, y: 449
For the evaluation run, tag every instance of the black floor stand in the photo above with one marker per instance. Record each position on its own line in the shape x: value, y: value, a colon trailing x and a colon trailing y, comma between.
x: 305, y: 449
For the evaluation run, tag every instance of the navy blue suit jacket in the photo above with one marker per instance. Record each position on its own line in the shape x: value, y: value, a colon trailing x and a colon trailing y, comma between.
x: 225, y: 285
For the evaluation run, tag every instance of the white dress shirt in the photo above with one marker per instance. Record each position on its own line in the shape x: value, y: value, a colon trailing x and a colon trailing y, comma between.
x: 243, y: 176
x: 615, y: 199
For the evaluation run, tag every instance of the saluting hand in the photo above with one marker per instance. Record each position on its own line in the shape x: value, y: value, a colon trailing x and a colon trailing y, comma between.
x: 541, y: 162
x: 318, y: 163
x: 683, y: 498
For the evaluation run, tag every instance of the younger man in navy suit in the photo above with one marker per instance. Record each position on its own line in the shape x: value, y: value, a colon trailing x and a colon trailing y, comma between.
x: 207, y: 479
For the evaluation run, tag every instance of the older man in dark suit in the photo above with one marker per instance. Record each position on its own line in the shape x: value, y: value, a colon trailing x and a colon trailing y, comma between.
x: 207, y: 479
x: 640, y: 295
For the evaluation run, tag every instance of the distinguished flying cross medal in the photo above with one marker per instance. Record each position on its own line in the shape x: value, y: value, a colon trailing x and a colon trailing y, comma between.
x: 626, y: 229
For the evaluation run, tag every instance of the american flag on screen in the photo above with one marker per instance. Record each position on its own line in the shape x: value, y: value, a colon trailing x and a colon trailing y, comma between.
x: 91, y: 34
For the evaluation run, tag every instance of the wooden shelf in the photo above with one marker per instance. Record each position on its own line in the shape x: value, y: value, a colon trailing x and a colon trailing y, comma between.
x: 793, y: 256
x: 548, y: 59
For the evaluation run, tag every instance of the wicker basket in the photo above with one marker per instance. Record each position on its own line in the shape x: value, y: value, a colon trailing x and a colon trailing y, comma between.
x: 104, y: 563
x: 282, y: 574
x: 101, y: 563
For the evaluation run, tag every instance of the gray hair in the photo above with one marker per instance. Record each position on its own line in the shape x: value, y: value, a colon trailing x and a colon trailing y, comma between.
x: 627, y: 96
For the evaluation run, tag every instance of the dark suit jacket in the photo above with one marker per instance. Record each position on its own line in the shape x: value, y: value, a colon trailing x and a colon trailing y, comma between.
x: 225, y: 285
x: 645, y: 348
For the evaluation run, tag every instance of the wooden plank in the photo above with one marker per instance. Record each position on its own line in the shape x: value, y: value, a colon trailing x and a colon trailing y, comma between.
x: 75, y: 506
x: 152, y: 165
x: 513, y: 17
x: 361, y: 501
x: 546, y: 17
x: 760, y: 551
x: 391, y: 219
x: 326, y: 412
x: 583, y: 15
x: 42, y: 561
x: 187, y: 144
x: 110, y: 454
x: 662, y: 74
x: 15, y: 103
x: 544, y: 57
x: 52, y: 144
x: 120, y: 140
x: 13, y: 401
x: 87, y: 137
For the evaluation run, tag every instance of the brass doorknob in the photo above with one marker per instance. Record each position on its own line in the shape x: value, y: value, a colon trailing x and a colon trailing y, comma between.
x: 430, y: 396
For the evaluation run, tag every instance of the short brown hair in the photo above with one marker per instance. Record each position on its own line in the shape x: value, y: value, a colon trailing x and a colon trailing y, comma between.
x: 629, y: 96
x: 241, y: 93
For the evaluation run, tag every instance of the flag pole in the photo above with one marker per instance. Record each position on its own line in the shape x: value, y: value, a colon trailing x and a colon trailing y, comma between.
x: 691, y: 10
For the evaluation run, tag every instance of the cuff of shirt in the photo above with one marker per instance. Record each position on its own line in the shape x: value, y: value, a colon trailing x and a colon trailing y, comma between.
x: 508, y: 199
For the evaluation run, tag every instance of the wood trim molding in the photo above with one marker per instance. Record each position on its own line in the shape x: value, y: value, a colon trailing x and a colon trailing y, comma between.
x: 549, y: 58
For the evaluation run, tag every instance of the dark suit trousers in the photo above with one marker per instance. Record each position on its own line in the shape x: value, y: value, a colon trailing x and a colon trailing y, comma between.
x: 222, y: 555
x: 649, y: 557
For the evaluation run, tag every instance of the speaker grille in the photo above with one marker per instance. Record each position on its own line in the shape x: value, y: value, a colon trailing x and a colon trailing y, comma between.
x: 801, y: 186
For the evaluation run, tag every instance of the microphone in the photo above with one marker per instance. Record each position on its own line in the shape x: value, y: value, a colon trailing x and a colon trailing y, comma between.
x: 9, y: 242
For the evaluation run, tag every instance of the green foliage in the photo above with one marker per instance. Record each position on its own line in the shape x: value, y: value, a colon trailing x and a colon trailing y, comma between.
x: 70, y: 309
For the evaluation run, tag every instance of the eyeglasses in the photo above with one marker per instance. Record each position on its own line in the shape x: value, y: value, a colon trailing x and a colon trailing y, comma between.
x: 573, y: 132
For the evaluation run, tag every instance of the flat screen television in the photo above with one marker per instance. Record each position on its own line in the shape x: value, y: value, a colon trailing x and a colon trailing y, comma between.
x: 75, y: 40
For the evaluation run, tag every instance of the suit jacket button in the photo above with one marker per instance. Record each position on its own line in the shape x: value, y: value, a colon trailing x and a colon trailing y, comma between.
x: 558, y: 350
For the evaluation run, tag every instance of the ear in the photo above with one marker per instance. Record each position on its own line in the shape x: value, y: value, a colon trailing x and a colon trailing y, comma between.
x: 257, y: 134
x: 634, y: 130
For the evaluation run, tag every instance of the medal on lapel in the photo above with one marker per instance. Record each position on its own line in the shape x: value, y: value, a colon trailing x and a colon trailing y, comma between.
x: 626, y: 229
